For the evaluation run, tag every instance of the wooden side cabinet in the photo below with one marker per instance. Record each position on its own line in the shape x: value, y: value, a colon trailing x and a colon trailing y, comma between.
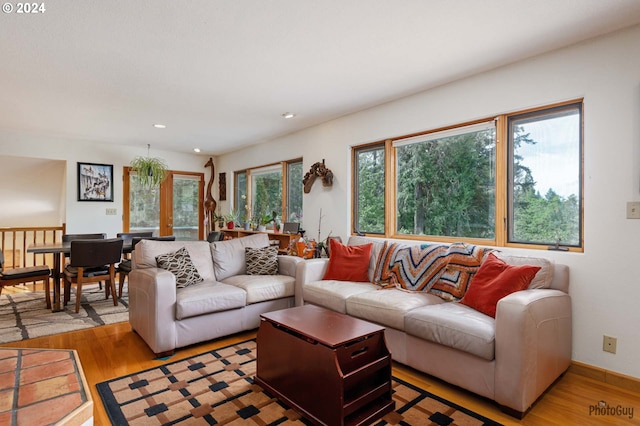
x: 345, y: 382
x: 282, y: 239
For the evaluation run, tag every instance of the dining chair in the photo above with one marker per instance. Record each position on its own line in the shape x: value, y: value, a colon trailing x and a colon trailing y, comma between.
x: 25, y: 275
x: 92, y: 261
x: 127, y: 237
x: 67, y: 238
x: 215, y: 236
x: 126, y: 266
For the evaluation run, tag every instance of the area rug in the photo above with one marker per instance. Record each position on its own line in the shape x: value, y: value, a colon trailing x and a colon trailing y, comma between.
x: 25, y: 316
x: 217, y: 387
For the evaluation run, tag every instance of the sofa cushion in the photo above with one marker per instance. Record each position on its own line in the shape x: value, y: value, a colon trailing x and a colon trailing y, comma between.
x: 348, y: 263
x: 543, y: 278
x: 179, y: 264
x: 207, y: 297
x: 495, y: 280
x: 333, y: 294
x: 199, y: 251
x: 454, y: 325
x: 263, y: 287
x: 388, y: 306
x: 261, y: 261
x: 229, y: 257
x: 376, y: 247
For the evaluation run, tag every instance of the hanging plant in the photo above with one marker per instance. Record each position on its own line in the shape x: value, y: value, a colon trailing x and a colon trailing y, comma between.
x: 151, y: 171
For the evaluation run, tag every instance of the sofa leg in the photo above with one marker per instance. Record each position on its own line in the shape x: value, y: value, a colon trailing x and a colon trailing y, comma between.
x: 165, y: 354
x: 513, y: 413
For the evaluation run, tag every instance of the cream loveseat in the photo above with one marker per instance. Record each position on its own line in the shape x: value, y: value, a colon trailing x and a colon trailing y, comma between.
x: 226, y: 301
x: 511, y: 359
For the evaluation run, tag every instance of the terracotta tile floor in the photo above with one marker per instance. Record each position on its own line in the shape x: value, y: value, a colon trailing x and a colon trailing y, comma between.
x: 42, y: 386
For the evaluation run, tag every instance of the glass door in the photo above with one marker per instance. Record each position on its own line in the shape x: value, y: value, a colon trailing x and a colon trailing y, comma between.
x: 186, y: 216
x: 171, y: 209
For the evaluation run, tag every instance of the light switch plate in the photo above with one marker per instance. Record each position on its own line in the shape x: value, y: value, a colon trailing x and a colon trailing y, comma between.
x: 633, y: 210
x: 112, y: 212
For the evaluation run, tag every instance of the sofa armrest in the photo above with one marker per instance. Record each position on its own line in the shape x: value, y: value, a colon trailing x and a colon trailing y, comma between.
x: 287, y: 265
x: 308, y: 271
x: 533, y: 345
x: 152, y: 301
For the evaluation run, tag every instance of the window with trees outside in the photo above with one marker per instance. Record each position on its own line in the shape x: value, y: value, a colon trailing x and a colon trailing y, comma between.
x: 463, y: 183
x: 262, y: 191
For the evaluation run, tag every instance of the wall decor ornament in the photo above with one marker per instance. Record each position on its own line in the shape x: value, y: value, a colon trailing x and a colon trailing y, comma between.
x: 222, y: 186
x: 95, y: 182
x: 317, y: 170
x: 209, y: 202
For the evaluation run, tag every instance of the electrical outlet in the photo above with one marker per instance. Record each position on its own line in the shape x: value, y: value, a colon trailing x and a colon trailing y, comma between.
x: 609, y: 344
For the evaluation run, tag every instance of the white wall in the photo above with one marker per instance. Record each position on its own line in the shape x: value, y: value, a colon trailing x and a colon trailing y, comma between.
x: 43, y: 203
x: 80, y: 217
x: 605, y: 285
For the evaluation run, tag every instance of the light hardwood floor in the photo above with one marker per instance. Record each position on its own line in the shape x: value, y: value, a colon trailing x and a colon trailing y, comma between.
x: 114, y: 350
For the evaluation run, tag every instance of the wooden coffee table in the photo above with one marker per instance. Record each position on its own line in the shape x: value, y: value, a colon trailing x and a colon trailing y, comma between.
x: 332, y: 368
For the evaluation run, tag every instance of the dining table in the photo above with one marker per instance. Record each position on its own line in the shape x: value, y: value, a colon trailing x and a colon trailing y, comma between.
x: 60, y: 249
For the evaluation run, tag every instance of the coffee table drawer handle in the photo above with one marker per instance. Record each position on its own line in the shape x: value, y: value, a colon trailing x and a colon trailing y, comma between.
x: 359, y: 352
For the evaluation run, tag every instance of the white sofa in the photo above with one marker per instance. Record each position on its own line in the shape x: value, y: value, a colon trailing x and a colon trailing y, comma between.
x: 511, y: 359
x: 226, y: 301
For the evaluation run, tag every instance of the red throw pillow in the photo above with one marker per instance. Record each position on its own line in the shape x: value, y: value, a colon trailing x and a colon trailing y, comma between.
x: 348, y: 263
x: 494, y: 280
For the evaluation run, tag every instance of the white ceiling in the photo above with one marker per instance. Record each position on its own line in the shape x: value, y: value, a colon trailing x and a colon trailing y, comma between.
x: 219, y: 73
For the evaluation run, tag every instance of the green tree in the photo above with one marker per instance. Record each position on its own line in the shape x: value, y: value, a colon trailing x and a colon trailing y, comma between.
x: 267, y: 196
x: 370, y: 187
x: 537, y: 219
x: 294, y: 189
x: 446, y: 186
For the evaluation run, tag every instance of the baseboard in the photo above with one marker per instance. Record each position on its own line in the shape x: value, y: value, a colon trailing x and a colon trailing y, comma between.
x: 610, y: 377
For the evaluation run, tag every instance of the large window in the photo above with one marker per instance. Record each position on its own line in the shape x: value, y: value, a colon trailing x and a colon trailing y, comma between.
x: 240, y: 196
x: 545, y: 176
x: 266, y: 192
x: 369, y: 182
x: 261, y: 191
x: 445, y: 183
x: 462, y: 183
x: 294, y: 192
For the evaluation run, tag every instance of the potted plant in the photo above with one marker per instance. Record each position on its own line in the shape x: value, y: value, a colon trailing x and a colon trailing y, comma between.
x: 276, y: 224
x: 229, y: 220
x: 151, y: 172
x: 220, y: 218
x: 265, y: 219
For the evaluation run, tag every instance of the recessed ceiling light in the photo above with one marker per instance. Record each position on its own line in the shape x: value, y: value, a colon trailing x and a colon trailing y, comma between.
x: 159, y: 126
x: 288, y: 115
x: 196, y: 149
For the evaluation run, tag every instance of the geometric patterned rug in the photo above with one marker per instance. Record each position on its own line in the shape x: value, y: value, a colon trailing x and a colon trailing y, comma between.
x: 217, y: 388
x: 25, y: 315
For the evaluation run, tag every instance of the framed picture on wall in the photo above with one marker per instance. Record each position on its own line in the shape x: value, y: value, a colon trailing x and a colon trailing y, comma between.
x: 95, y: 182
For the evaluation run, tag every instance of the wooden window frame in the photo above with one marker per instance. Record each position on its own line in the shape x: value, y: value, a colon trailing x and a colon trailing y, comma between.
x: 285, y: 178
x: 502, y: 185
x: 166, y: 205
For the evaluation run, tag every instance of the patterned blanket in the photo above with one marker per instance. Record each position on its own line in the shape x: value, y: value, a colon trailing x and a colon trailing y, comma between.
x: 442, y: 269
